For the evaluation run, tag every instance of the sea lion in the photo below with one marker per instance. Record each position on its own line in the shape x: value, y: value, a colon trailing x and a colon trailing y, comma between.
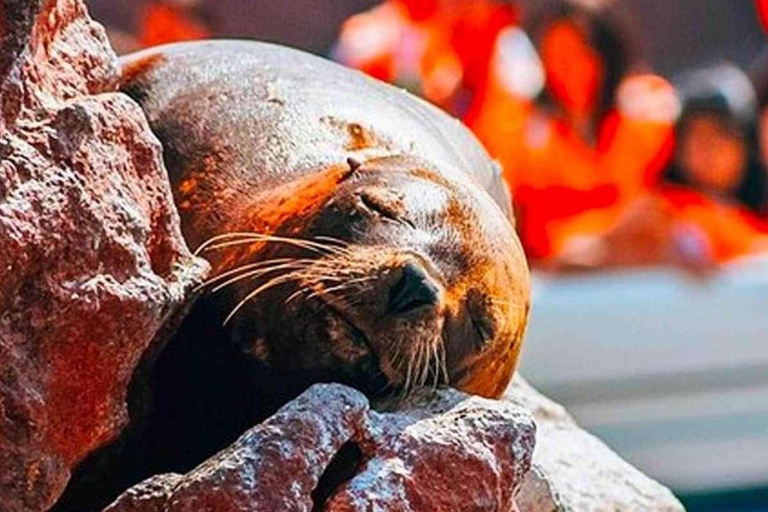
x: 356, y: 232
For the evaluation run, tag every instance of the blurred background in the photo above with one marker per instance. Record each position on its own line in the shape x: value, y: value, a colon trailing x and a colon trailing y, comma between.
x: 633, y: 135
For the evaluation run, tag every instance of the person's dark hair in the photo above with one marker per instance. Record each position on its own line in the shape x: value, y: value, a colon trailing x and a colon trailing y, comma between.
x: 725, y: 93
x: 608, y: 30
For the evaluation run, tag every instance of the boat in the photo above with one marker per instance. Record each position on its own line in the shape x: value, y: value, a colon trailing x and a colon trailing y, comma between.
x: 669, y: 369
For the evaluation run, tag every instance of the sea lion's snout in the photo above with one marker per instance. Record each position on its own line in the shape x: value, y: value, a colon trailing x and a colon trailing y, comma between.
x: 402, y: 314
x: 412, y: 289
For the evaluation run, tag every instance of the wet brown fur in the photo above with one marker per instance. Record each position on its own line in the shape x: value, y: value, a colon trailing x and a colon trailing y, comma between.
x: 246, y: 207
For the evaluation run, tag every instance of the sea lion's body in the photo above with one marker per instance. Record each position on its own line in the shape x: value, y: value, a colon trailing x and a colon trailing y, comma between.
x: 271, y: 115
x: 260, y: 138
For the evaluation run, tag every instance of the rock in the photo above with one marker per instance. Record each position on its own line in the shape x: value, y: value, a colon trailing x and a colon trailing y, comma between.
x: 448, y: 451
x: 573, y: 471
x: 274, y: 466
x: 445, y: 452
x: 150, y: 495
x: 92, y: 259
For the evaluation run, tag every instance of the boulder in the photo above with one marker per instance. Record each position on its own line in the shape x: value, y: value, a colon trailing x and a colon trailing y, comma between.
x: 92, y: 262
x: 573, y: 471
x: 447, y: 451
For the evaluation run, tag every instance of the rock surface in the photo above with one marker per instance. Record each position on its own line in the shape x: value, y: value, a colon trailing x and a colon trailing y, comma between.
x: 447, y: 452
x: 573, y: 471
x: 451, y: 452
x: 92, y: 262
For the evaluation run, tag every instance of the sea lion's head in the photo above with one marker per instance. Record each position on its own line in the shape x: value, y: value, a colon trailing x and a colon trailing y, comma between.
x: 391, y: 276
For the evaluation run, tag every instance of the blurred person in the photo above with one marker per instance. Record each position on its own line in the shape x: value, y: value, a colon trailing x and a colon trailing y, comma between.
x: 718, y: 153
x: 595, y: 136
x: 707, y: 206
x: 717, y: 182
x: 438, y: 49
x: 170, y: 21
x: 474, y: 28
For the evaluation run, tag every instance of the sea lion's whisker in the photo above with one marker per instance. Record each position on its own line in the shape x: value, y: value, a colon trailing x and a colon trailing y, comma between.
x: 425, y: 363
x: 354, y: 299
x: 347, y: 284
x: 224, y: 245
x: 308, y: 287
x: 402, y: 358
x: 419, y: 382
x: 394, y: 358
x: 239, y: 238
x: 428, y: 358
x: 444, y: 358
x: 257, y: 273
x: 313, y: 281
x: 416, y: 367
x: 318, y: 291
x: 436, y: 363
x: 297, y: 293
x: 433, y: 362
x: 328, y: 291
x: 243, y: 237
x: 246, y: 235
x: 342, y: 243
x: 318, y: 280
x: 409, y: 371
x: 275, y: 281
x: 247, y: 267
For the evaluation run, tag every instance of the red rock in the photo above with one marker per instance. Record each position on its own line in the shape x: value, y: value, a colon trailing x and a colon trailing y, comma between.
x: 92, y: 262
x: 274, y: 466
x: 445, y: 452
x: 150, y: 495
x: 449, y: 451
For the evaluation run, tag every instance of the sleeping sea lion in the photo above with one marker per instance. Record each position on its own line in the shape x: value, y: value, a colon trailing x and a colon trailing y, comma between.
x: 356, y: 233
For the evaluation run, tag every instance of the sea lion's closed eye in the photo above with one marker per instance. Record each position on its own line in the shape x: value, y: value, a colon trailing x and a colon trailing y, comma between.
x: 387, y: 204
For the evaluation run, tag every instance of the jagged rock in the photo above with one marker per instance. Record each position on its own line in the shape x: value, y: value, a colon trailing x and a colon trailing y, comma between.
x: 92, y: 262
x: 445, y: 452
x: 151, y: 495
x: 448, y: 451
x: 573, y: 471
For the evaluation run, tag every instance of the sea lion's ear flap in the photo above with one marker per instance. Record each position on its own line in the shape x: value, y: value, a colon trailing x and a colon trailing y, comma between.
x: 353, y: 164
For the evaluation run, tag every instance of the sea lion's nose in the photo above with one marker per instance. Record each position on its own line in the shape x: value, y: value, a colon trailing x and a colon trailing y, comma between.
x: 412, y: 290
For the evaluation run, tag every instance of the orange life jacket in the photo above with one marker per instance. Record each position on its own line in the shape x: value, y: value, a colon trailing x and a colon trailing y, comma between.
x: 731, y: 231
x: 554, y: 174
